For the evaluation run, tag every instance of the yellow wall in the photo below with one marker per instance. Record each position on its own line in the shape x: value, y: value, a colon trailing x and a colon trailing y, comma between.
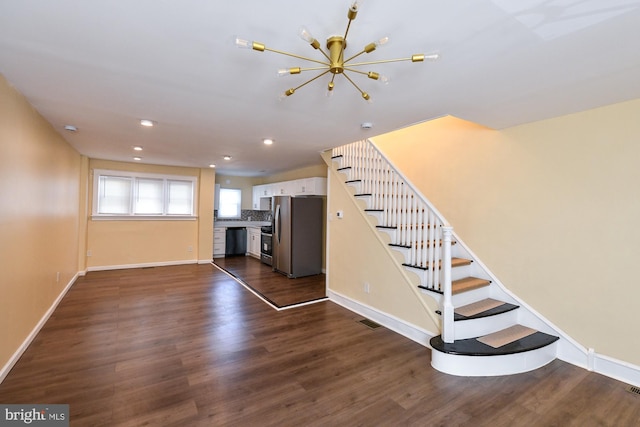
x: 139, y: 242
x: 356, y: 257
x: 39, y: 221
x: 308, y: 172
x: 550, y: 207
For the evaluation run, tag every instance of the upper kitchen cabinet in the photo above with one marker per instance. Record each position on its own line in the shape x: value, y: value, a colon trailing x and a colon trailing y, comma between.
x: 262, y: 197
x: 316, y: 186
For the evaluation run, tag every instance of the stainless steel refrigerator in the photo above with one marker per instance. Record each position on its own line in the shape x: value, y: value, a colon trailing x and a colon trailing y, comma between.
x: 297, y: 235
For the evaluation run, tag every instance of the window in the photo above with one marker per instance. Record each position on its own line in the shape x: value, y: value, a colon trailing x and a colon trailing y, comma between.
x: 126, y: 194
x: 230, y: 203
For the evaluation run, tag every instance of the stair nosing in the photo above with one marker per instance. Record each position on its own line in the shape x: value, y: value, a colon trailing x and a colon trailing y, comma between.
x: 474, y: 347
x: 506, y: 307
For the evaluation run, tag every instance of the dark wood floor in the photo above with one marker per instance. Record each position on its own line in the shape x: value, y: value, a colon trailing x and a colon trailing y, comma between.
x: 277, y: 288
x: 189, y: 346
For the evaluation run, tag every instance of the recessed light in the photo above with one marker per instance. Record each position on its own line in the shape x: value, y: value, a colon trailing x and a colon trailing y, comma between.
x: 137, y: 159
x: 366, y: 125
x: 147, y: 122
x: 71, y: 128
x: 212, y: 165
x: 267, y: 141
x: 227, y: 157
x: 137, y: 148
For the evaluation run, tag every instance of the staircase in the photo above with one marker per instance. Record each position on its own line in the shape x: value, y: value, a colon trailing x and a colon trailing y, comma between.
x: 484, y: 329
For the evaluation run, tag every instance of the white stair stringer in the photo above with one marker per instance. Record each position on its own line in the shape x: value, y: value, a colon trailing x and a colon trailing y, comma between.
x: 486, y: 366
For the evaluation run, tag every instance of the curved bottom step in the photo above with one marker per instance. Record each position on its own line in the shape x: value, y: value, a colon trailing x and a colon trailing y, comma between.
x: 471, y: 358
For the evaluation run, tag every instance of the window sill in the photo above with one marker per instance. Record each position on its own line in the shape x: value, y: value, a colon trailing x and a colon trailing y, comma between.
x: 143, y: 217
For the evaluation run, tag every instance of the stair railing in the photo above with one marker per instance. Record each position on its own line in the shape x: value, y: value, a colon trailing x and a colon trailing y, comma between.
x: 419, y: 227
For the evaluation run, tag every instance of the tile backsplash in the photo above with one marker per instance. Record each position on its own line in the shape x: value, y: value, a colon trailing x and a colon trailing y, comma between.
x: 248, y: 215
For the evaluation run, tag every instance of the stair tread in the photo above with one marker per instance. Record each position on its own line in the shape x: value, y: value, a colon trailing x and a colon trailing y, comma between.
x: 502, y: 308
x: 455, y: 262
x: 473, y: 347
x: 468, y: 284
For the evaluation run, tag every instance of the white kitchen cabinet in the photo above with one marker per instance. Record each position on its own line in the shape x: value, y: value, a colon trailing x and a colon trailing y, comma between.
x: 316, y: 186
x: 284, y: 188
x: 253, y: 241
x: 262, y: 197
x: 219, y: 240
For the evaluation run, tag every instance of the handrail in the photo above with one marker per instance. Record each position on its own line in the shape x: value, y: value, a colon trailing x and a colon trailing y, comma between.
x: 419, y: 227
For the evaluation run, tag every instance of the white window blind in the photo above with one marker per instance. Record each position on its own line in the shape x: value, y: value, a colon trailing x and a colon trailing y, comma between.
x: 125, y: 194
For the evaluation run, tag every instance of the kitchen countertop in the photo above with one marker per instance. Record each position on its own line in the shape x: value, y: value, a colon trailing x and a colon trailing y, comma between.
x: 240, y: 223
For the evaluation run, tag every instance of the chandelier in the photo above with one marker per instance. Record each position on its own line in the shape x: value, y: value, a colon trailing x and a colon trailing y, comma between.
x: 335, y: 63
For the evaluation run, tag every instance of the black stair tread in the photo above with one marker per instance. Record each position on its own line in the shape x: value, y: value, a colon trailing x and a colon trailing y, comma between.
x: 337, y: 157
x: 374, y: 210
x: 504, y: 308
x: 352, y: 180
x: 343, y: 168
x: 473, y: 347
x: 362, y: 194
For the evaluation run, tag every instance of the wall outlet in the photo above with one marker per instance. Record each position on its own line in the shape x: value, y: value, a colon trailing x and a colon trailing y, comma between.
x: 340, y: 214
x: 189, y: 248
x: 367, y: 288
x: 89, y: 252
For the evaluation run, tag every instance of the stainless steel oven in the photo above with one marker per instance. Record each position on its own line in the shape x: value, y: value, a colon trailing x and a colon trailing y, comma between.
x: 266, y: 239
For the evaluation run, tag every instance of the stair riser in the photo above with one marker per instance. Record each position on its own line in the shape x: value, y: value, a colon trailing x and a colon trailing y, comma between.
x: 485, y: 325
x: 456, y: 273
x: 481, y: 366
x: 378, y: 215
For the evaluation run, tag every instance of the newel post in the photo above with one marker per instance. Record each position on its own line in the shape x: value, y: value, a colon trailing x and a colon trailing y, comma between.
x: 448, y: 333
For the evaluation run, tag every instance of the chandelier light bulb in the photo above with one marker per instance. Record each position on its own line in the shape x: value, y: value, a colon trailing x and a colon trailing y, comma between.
x: 356, y: 5
x: 242, y: 43
x: 382, y: 41
x: 282, y: 72
x: 384, y: 79
x: 305, y: 34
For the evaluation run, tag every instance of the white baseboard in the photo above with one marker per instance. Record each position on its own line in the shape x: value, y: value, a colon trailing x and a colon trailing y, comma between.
x: 25, y: 344
x: 614, y: 368
x: 601, y: 364
x: 149, y: 264
x: 413, y: 332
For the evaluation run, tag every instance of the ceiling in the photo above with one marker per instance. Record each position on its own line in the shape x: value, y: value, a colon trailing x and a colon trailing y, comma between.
x: 102, y: 66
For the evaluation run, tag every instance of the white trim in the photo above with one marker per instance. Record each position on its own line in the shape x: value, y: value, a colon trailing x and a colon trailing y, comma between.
x: 105, y: 217
x: 266, y: 301
x: 413, y: 332
x: 616, y: 369
x: 204, y: 261
x: 34, y: 332
x: 143, y: 265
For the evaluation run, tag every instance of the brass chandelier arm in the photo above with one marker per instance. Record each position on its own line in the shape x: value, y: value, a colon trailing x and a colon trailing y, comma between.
x: 353, y: 70
x: 364, y: 94
x: 297, y: 56
x: 383, y: 61
x: 308, y: 81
